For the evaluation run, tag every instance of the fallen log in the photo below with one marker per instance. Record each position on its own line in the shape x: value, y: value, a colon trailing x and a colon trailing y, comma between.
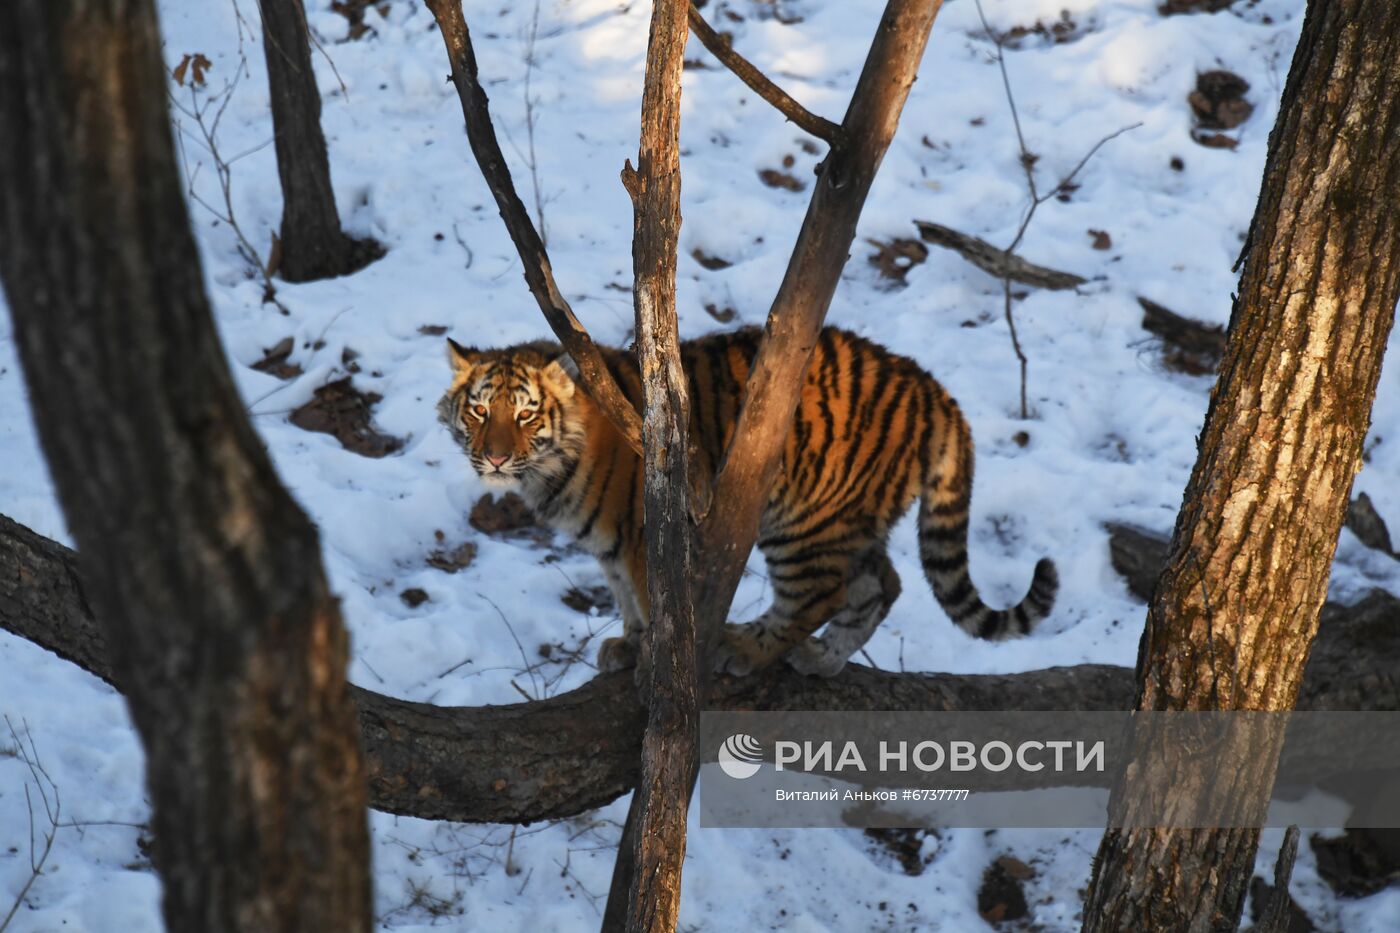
x: 577, y: 751
x: 1188, y: 346
x: 995, y: 261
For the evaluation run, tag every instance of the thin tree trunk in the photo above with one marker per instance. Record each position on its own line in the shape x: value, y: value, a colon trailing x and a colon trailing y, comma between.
x: 313, y: 245
x: 667, y: 664
x: 205, y: 575
x: 1236, y: 609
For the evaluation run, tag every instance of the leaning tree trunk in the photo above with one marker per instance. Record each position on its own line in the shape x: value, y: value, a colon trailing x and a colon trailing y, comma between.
x: 313, y: 246
x: 204, y: 574
x: 1236, y: 609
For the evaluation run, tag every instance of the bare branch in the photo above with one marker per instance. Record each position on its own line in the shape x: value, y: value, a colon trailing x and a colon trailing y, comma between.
x: 1027, y: 160
x: 223, y: 170
x: 749, y: 469
x: 721, y: 48
x: 539, y: 276
x: 1027, y: 157
x: 530, y: 120
x: 39, y: 851
x: 1069, y: 179
x: 1277, y: 916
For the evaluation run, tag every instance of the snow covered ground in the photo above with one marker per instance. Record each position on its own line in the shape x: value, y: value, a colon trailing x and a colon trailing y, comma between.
x: 1112, y: 437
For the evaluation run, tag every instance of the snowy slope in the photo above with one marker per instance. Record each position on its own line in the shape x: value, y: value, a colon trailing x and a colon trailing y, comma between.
x: 1112, y: 437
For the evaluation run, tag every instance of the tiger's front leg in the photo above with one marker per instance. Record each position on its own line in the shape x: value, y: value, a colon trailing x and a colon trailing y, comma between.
x: 620, y: 652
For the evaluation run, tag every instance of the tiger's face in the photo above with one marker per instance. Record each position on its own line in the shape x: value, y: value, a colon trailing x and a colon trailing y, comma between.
x: 513, y: 411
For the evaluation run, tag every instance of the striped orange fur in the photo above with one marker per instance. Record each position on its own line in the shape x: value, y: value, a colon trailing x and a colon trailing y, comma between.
x: 873, y: 433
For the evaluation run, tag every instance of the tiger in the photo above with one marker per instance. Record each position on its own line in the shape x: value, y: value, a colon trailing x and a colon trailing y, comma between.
x: 872, y: 433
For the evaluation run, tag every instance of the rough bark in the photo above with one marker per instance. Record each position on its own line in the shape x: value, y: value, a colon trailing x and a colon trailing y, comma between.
x: 1237, y: 607
x: 1279, y: 914
x: 204, y: 573
x: 579, y: 750
x: 313, y: 245
x: 666, y: 667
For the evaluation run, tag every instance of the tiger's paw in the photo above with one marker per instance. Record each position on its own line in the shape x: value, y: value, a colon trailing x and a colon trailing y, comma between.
x: 616, y: 654
x: 737, y: 653
x: 814, y: 659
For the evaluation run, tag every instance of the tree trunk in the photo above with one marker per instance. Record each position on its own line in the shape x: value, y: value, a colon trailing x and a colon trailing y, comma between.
x: 313, y: 246
x: 203, y: 572
x: 1236, y: 609
x: 667, y: 664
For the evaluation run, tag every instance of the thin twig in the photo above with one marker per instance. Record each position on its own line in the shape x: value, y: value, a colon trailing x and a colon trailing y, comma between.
x: 1015, y: 344
x: 198, y: 113
x: 528, y: 154
x: 1028, y: 160
x: 721, y: 48
x: 245, y: 31
x: 311, y: 34
x: 524, y: 659
x: 53, y: 810
x: 533, y: 162
x: 457, y: 233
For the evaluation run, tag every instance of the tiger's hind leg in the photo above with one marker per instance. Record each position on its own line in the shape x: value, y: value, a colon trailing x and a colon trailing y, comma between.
x: 810, y: 573
x: 872, y: 590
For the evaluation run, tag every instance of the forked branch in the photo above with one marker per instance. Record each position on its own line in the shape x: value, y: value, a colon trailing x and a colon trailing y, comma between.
x: 539, y: 276
x: 720, y: 47
x: 751, y: 462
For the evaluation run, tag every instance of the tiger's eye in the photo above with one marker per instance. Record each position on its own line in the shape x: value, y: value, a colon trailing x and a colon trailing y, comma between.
x: 479, y: 410
x: 525, y: 416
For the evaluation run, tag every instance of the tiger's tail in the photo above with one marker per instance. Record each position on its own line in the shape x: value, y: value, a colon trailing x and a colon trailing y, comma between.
x: 943, y: 526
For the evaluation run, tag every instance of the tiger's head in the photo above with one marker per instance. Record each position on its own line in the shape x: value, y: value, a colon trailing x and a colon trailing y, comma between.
x: 513, y: 410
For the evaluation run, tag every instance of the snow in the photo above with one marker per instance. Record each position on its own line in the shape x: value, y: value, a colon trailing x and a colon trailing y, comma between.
x: 1112, y: 437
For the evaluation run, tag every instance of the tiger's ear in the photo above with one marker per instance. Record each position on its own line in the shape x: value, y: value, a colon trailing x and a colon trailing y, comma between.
x: 463, y: 359
x: 560, y: 374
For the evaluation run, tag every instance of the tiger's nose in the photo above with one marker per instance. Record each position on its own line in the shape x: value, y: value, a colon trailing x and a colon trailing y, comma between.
x: 497, y: 461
